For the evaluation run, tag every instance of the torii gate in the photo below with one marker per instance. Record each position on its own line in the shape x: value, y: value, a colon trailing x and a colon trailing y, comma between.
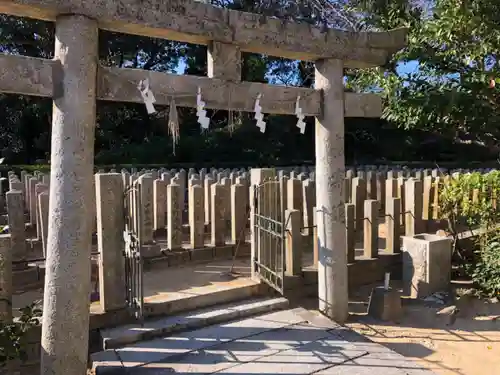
x: 75, y: 80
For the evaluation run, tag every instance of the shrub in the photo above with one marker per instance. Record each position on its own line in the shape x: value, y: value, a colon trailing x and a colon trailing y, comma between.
x: 13, y: 334
x: 471, y: 200
x: 486, y: 270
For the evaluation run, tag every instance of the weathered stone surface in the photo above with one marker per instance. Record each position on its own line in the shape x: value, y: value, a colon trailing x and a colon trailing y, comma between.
x: 15, y: 212
x: 392, y: 225
x: 370, y: 229
x: 164, y: 348
x: 239, y: 213
x: 39, y: 188
x: 196, y: 216
x: 65, y: 321
x: 146, y: 209
x: 217, y: 215
x: 309, y: 201
x: 28, y: 75
x: 413, y: 207
x: 119, y: 336
x: 385, y: 304
x: 26, y: 190
x: 160, y: 203
x: 5, y: 278
x: 182, y: 181
x: 199, y: 23
x: 113, y: 84
x: 33, y: 181
x: 226, y: 199
x: 224, y: 61
x: 293, y: 234
x: 110, y: 227
x: 426, y: 265
x: 43, y: 213
x: 207, y: 191
x: 295, y: 196
x: 174, y: 218
x: 330, y: 174
x: 218, y: 94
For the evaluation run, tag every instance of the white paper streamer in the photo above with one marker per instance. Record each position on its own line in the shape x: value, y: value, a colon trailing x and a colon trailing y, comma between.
x: 203, y: 120
x: 300, y: 116
x: 147, y: 96
x: 259, y: 116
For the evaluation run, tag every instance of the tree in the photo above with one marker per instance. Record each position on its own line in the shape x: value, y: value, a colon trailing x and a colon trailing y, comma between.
x: 125, y: 133
x: 456, y: 44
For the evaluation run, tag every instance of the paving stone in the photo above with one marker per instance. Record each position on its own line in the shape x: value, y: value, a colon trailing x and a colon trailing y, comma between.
x: 275, y: 343
x: 352, y: 368
x: 108, y: 361
x: 306, y: 359
x: 330, y: 350
x: 243, y: 350
x: 116, y: 337
x: 388, y: 359
x: 157, y: 350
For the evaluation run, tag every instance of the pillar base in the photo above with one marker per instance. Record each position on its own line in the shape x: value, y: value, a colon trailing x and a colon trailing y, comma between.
x: 385, y: 304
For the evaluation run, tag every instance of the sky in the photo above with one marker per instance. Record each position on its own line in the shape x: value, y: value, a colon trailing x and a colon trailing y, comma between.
x: 406, y: 68
x: 402, y: 69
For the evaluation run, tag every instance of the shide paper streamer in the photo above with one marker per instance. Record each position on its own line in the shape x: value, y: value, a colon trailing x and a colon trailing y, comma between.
x: 147, y: 96
x: 259, y: 116
x: 203, y: 120
x: 298, y: 112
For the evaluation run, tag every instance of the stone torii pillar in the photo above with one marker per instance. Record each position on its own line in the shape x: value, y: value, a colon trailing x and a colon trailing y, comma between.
x: 65, y: 323
x: 330, y: 174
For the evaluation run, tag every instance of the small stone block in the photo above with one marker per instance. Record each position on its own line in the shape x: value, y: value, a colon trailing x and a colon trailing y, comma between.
x: 426, y: 264
x: 150, y: 250
x: 385, y: 304
x: 176, y: 258
x: 28, y: 276
x: 201, y: 255
x: 224, y: 252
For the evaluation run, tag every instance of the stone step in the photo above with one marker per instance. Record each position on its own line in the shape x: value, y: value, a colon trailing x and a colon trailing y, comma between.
x: 289, y: 341
x: 120, y: 336
x: 169, y: 303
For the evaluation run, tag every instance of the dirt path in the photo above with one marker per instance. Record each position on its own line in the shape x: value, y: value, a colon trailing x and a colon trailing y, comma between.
x: 470, y: 346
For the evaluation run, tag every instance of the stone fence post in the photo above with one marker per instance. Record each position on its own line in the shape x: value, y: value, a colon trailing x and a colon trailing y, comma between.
x: 110, y: 227
x: 293, y: 247
x: 5, y: 278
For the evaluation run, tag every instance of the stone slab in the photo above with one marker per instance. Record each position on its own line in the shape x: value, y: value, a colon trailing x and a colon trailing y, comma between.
x: 26, y: 277
x: 116, y: 337
x: 305, y: 359
x: 275, y: 343
x: 196, y: 298
x: 245, y: 350
x: 385, y: 304
x: 158, y: 350
x: 389, y: 359
x: 353, y: 368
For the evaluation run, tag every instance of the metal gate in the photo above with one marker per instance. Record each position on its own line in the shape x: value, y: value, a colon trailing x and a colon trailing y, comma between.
x: 269, y: 234
x: 134, y: 286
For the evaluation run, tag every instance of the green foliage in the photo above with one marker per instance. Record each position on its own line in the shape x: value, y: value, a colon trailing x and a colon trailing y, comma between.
x: 455, y: 47
x: 486, y: 270
x: 13, y: 334
x: 125, y: 133
x: 471, y: 199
